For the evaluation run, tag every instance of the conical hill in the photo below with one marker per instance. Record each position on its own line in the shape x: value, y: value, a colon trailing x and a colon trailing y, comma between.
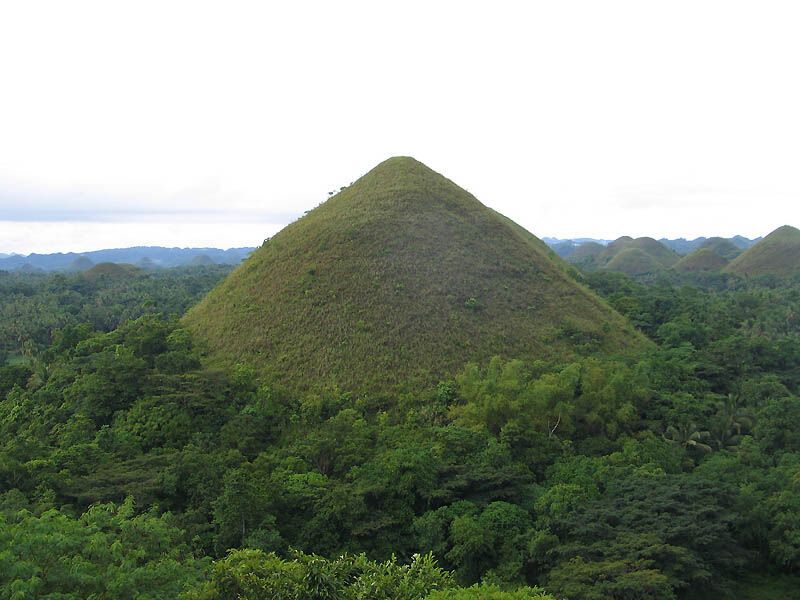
x: 659, y: 255
x: 401, y: 278
x: 701, y: 260
x: 634, y: 261
x: 777, y: 254
x: 722, y: 247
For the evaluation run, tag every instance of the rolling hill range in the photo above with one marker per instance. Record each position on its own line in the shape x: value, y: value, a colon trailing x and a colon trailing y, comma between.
x: 656, y: 250
x: 777, y: 254
x: 399, y: 279
x: 714, y: 255
x: 638, y: 256
x: 143, y: 256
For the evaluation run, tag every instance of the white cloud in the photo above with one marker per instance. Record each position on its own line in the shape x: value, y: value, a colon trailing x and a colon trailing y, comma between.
x: 545, y: 111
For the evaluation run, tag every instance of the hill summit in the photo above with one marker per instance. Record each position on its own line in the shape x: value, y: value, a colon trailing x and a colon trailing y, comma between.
x: 777, y: 254
x: 402, y: 277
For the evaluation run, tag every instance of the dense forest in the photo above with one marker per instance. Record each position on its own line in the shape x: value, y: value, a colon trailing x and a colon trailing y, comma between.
x: 130, y: 469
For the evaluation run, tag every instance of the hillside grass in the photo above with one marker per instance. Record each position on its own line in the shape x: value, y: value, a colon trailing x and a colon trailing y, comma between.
x: 400, y: 279
x: 777, y: 254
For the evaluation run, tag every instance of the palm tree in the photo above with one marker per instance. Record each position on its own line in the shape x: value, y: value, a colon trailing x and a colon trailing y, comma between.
x: 730, y: 423
x: 689, y: 436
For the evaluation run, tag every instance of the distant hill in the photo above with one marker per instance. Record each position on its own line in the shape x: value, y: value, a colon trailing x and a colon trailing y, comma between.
x: 147, y: 263
x: 153, y: 257
x: 658, y: 251
x: 111, y: 270
x: 704, y: 259
x: 685, y: 247
x: 29, y: 268
x: 400, y: 279
x: 201, y: 260
x: 722, y: 247
x: 742, y: 242
x: 586, y: 253
x: 82, y: 263
x: 632, y: 256
x: 566, y: 248
x: 777, y: 254
x: 634, y: 261
x: 713, y: 255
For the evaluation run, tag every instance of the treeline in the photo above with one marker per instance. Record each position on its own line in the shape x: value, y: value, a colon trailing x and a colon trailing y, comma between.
x: 33, y: 306
x: 128, y: 470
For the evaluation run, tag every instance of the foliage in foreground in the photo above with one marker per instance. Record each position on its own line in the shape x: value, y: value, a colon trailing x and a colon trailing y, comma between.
x: 675, y: 475
x: 109, y: 552
x: 254, y: 574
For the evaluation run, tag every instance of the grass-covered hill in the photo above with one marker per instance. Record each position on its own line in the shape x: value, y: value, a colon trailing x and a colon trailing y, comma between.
x: 713, y: 256
x: 704, y: 259
x: 586, y: 252
x: 627, y: 255
x: 634, y: 261
x: 111, y: 270
x: 777, y: 254
x: 201, y: 260
x: 662, y: 255
x: 722, y: 247
x: 401, y: 277
x: 82, y: 263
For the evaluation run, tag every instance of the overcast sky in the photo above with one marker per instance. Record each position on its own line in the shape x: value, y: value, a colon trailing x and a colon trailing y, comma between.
x: 213, y: 124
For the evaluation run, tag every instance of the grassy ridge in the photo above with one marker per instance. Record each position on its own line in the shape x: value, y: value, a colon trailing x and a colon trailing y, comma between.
x: 402, y: 277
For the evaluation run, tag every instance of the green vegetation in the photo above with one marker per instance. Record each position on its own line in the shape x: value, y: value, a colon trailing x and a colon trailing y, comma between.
x: 372, y: 291
x: 777, y: 254
x: 404, y: 395
x: 34, y: 306
x: 130, y: 470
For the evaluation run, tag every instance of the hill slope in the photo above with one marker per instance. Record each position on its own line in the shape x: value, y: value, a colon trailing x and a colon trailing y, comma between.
x: 402, y: 276
x: 777, y: 254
